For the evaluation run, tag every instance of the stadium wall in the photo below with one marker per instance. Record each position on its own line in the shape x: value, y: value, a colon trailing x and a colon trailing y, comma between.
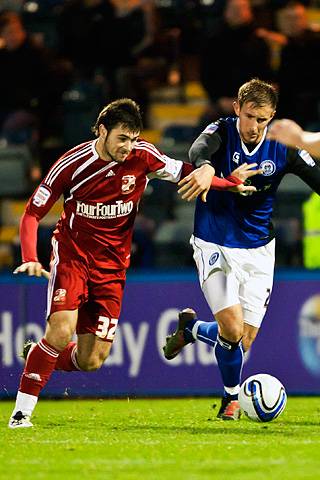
x: 288, y: 345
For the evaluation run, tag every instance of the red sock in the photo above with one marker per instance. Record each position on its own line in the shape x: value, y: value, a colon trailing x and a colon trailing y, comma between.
x: 67, y: 359
x: 38, y: 368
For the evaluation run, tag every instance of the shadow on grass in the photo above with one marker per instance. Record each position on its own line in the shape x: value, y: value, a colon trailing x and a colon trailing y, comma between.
x: 216, y: 428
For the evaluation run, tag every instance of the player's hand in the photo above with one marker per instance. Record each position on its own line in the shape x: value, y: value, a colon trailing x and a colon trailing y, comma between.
x: 197, y: 183
x: 31, y: 268
x: 243, y: 189
x: 246, y: 171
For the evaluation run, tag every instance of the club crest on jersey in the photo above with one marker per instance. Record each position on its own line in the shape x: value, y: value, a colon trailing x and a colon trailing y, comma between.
x: 128, y: 184
x: 268, y: 167
x: 214, y: 257
x: 60, y: 295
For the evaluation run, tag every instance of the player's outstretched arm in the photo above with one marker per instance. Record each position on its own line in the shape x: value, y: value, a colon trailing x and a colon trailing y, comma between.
x: 290, y: 133
x: 197, y: 182
x: 285, y: 131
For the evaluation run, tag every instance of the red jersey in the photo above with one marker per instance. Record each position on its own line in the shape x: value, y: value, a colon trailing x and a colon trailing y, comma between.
x: 101, y: 198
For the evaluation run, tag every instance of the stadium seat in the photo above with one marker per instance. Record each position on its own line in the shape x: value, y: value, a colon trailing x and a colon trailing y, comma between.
x: 15, y: 163
x: 80, y: 108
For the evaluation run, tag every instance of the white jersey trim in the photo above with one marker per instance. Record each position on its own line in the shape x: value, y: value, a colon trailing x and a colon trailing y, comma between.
x: 243, y: 145
x: 172, y: 168
x: 107, y: 167
x: 150, y: 149
x: 71, y: 221
x: 85, y: 165
x: 53, y: 274
x: 64, y: 163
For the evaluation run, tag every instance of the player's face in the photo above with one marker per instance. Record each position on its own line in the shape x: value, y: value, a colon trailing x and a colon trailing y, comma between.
x: 253, y: 120
x: 116, y: 144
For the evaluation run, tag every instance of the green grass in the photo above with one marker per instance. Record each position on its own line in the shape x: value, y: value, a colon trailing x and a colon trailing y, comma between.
x: 159, y: 439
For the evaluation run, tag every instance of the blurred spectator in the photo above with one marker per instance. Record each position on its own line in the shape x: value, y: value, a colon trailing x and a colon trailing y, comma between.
x: 134, y: 34
x: 104, y: 40
x: 86, y: 30
x: 86, y: 37
x: 164, y: 55
x: 28, y: 87
x: 299, y: 59
x: 231, y: 56
x: 14, y: 5
x: 289, y: 240
x: 143, y: 248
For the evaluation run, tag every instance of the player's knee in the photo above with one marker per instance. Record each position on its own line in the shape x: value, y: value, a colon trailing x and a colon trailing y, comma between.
x: 91, y: 364
x: 58, y: 338
x: 233, y: 333
x: 231, y: 325
x: 59, y: 331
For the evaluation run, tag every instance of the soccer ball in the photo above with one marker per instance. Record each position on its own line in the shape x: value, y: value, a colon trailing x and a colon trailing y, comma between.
x: 262, y: 397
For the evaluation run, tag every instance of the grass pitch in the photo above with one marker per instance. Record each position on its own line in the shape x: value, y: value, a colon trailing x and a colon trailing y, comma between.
x: 178, y: 439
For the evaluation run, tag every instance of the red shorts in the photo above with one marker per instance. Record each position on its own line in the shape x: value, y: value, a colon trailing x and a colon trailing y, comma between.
x: 95, y: 292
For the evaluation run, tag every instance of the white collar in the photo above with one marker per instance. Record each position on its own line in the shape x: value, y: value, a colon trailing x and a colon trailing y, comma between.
x: 243, y: 145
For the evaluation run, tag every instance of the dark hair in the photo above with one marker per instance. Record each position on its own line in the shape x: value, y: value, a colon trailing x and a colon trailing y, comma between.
x: 124, y: 112
x: 258, y: 92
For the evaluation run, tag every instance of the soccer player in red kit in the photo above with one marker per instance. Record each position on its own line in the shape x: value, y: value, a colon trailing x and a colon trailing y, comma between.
x: 102, y: 182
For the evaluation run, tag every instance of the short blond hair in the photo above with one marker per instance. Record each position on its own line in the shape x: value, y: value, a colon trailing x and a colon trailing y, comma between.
x: 258, y: 92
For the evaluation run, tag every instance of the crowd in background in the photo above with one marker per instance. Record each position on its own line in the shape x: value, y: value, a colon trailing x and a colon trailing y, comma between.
x: 61, y: 61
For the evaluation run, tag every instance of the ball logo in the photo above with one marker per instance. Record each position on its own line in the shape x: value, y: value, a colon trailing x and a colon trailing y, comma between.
x: 309, y: 334
x: 214, y: 257
x: 268, y: 167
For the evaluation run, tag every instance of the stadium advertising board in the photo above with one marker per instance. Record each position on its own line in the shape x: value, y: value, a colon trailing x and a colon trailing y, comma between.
x: 287, y: 347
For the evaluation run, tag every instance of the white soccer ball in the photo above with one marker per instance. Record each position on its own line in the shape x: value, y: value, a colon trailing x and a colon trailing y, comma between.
x: 262, y: 397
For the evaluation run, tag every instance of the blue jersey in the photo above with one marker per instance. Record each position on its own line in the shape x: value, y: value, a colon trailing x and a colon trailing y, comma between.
x: 234, y: 220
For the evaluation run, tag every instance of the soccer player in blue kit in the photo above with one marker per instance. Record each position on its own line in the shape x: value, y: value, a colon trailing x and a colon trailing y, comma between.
x: 233, y: 238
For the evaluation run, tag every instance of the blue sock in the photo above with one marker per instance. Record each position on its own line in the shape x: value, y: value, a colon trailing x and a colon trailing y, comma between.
x: 229, y: 355
x: 230, y: 360
x: 187, y: 333
x: 207, y: 332
x: 229, y: 396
